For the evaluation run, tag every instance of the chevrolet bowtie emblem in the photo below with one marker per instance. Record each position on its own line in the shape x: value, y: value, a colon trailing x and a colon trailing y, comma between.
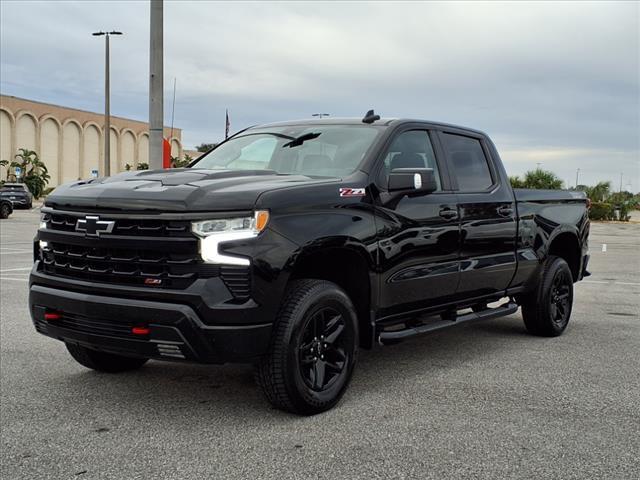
x: 92, y: 226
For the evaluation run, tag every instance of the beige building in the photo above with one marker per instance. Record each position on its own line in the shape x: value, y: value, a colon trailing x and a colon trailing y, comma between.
x: 71, y: 142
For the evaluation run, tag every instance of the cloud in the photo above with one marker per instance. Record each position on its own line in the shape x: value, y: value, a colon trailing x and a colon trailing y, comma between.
x: 558, y: 81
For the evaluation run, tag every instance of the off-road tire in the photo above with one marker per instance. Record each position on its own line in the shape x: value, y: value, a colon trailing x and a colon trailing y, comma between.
x: 283, y: 374
x: 541, y: 312
x: 103, y: 361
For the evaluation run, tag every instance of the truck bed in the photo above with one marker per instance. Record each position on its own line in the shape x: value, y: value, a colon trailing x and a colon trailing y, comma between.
x: 531, y: 195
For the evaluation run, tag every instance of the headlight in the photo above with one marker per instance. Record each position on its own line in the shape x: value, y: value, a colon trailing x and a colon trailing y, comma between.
x: 43, y: 221
x: 213, y: 232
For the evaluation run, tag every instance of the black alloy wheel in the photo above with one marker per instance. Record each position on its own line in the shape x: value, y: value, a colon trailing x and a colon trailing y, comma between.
x: 324, y: 351
x: 546, y: 310
x: 313, y: 349
x: 560, y: 298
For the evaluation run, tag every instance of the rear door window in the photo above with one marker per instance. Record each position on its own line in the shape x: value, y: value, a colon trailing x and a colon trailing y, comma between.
x: 470, y: 166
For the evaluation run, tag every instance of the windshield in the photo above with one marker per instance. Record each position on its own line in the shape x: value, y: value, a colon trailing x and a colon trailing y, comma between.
x: 313, y: 150
x: 12, y: 188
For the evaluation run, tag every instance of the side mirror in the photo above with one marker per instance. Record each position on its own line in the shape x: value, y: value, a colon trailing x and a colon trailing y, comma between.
x: 412, y: 181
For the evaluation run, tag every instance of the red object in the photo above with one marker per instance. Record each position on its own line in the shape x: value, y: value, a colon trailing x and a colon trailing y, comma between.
x: 140, y: 330
x: 166, y: 153
x: 52, y: 316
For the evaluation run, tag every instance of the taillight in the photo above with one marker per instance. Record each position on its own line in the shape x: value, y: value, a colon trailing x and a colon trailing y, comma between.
x: 48, y: 316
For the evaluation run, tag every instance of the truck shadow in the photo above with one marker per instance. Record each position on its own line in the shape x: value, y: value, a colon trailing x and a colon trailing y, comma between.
x: 228, y: 395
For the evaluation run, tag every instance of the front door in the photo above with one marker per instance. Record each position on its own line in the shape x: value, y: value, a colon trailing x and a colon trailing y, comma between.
x: 418, y: 237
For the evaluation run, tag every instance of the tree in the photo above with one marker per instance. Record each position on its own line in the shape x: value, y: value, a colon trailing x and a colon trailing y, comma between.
x: 600, y: 192
x: 205, y: 147
x: 541, y: 179
x: 537, y: 179
x: 33, y: 174
x: 177, y: 162
x: 140, y: 166
x: 516, y: 182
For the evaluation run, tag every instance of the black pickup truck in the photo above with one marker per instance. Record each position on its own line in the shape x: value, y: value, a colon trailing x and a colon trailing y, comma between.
x: 292, y: 245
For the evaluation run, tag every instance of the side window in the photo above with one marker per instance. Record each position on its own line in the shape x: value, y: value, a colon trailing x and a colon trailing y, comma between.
x: 411, y: 149
x: 469, y: 163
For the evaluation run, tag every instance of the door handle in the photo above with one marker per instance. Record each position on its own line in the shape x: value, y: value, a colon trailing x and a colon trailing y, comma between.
x: 505, y: 211
x: 448, y: 214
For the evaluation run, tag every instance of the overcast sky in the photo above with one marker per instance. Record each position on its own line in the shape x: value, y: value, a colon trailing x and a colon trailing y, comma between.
x: 552, y: 83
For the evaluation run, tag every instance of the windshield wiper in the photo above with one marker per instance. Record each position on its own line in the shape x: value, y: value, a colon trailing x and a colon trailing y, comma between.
x: 288, y: 137
x: 296, y: 142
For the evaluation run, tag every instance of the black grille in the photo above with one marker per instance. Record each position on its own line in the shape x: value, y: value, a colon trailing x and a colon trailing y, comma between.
x: 143, y: 252
x: 131, y: 227
x: 113, y: 265
x: 88, y: 325
x: 237, y: 280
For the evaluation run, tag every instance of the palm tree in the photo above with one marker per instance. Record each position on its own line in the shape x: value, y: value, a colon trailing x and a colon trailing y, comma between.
x: 34, y: 173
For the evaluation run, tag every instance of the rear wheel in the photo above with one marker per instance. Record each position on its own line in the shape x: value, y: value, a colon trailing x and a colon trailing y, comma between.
x: 313, y: 349
x: 5, y: 211
x: 103, y: 361
x: 547, y: 309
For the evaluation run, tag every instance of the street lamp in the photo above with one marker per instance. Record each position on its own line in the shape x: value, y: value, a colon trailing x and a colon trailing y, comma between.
x: 320, y: 115
x: 107, y: 114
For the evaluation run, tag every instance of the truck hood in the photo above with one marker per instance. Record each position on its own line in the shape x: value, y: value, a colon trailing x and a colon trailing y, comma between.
x: 175, y: 190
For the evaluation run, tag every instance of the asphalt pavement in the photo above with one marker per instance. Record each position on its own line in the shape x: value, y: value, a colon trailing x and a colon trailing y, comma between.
x: 479, y: 401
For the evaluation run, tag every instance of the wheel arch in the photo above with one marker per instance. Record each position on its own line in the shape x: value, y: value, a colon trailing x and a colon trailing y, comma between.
x: 347, y: 267
x: 565, y: 244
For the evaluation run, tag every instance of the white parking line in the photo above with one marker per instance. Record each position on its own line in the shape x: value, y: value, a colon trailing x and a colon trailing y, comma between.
x: 612, y: 282
x: 14, y: 251
x: 14, y: 269
x: 14, y: 279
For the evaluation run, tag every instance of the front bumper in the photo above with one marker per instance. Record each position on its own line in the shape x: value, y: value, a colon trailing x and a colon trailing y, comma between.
x: 176, y: 332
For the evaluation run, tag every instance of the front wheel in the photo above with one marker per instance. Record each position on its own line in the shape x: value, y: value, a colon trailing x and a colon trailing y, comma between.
x: 5, y: 211
x: 313, y: 349
x: 103, y: 361
x: 547, y: 309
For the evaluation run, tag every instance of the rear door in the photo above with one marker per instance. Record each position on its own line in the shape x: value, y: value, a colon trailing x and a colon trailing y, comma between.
x: 418, y: 236
x: 487, y: 214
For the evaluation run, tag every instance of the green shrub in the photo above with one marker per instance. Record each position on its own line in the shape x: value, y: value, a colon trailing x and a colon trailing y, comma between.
x: 601, y: 211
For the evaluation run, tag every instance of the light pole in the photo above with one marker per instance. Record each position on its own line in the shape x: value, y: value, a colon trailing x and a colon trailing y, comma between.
x: 320, y: 115
x: 107, y: 113
x: 577, y: 174
x: 156, y: 88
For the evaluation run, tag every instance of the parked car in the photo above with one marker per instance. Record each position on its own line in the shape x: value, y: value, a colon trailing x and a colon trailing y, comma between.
x: 292, y: 245
x: 18, y: 194
x: 6, y: 208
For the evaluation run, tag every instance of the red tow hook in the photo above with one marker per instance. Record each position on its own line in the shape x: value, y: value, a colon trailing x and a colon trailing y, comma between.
x: 141, y: 330
x: 49, y: 316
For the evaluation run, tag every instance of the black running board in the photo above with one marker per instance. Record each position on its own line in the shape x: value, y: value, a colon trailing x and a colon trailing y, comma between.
x: 397, y: 335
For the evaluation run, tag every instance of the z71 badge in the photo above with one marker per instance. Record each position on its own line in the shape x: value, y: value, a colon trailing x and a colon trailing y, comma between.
x: 352, y: 192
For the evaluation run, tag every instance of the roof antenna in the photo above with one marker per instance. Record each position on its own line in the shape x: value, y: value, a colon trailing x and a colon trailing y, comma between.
x: 370, y: 117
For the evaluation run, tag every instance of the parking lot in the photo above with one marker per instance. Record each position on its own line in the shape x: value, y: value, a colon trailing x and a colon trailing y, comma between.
x: 479, y: 401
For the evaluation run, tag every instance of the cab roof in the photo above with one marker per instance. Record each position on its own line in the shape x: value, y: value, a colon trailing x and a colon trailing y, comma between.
x: 386, y: 122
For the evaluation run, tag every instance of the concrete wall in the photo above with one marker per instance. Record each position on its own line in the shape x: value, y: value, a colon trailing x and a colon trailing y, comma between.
x: 71, y: 142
